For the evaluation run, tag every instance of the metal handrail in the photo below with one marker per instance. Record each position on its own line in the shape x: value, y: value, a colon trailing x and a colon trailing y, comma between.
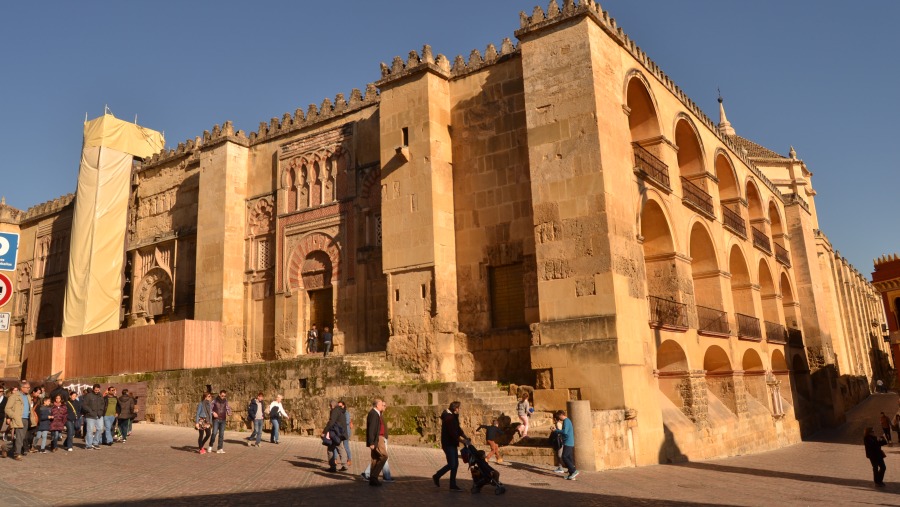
x: 782, y: 255
x: 712, y: 320
x: 748, y: 327
x: 697, y: 196
x: 652, y: 166
x: 734, y: 221
x: 665, y: 312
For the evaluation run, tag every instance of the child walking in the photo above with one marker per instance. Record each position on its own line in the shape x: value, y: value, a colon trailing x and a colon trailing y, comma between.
x: 43, y: 413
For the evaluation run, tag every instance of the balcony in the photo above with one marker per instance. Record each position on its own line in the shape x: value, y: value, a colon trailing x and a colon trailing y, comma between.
x: 697, y: 198
x: 712, y: 321
x: 782, y: 255
x: 748, y: 327
x: 795, y: 337
x: 775, y: 333
x: 734, y: 222
x: 665, y: 313
x: 651, y: 168
x: 761, y: 241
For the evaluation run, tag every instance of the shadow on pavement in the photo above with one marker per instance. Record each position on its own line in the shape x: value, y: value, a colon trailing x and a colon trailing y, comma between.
x: 398, y: 493
x: 713, y: 467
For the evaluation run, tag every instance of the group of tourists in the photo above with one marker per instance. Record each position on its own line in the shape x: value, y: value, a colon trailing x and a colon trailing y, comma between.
x: 874, y: 443
x: 212, y: 414
x: 312, y: 340
x: 35, y: 422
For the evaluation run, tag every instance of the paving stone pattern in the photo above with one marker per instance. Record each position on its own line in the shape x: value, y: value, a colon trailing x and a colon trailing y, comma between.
x: 159, y: 466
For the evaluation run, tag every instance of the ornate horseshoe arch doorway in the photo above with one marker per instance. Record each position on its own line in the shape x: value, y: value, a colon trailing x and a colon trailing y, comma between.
x: 313, y: 272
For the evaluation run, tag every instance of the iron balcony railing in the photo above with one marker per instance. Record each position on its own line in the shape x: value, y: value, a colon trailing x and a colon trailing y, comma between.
x: 712, y: 321
x: 761, y: 241
x: 782, y: 255
x: 795, y: 337
x: 698, y: 197
x: 748, y: 327
x: 649, y: 165
x: 775, y: 333
x: 734, y: 221
x: 667, y: 313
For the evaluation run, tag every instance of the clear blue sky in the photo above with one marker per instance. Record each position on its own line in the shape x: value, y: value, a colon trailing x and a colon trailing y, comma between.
x: 820, y: 75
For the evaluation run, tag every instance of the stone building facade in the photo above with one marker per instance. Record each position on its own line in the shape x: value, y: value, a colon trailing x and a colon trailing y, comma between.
x: 556, y: 213
x: 886, y: 279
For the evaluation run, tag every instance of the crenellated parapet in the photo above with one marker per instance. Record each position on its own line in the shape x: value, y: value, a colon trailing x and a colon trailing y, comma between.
x: 540, y: 20
x: 478, y: 61
x: 315, y: 114
x: 46, y: 208
x: 885, y: 259
x: 8, y: 214
x: 415, y: 63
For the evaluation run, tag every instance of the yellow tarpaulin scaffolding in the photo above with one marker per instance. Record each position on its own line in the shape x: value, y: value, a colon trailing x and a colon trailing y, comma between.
x: 96, y: 255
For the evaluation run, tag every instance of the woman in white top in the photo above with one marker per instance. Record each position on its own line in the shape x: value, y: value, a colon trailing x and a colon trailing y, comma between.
x: 276, y: 412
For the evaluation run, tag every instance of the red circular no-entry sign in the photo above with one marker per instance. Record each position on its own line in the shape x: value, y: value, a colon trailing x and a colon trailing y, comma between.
x: 5, y: 289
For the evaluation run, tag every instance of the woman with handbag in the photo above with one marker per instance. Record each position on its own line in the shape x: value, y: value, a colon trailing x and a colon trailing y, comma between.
x: 204, y: 415
x: 875, y: 454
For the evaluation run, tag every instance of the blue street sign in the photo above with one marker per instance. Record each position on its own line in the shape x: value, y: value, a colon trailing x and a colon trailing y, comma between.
x: 9, y: 248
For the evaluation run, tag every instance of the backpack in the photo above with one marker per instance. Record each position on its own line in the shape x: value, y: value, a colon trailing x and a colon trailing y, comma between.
x: 274, y: 414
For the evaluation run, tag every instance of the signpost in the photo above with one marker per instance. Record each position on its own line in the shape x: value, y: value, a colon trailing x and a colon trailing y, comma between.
x: 5, y: 289
x: 9, y: 248
x: 4, y: 321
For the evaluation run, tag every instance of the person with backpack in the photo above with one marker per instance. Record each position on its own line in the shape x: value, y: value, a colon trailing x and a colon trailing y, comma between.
x: 73, y: 409
x: 255, y: 418
x: 127, y: 411
x: 276, y: 413
x: 335, y: 432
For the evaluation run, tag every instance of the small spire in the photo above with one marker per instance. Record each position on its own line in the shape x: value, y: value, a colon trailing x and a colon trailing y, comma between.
x: 724, y: 125
x: 792, y: 153
x: 3, y: 201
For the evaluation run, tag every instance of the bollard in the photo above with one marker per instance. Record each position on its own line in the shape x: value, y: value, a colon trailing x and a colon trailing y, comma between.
x: 582, y: 422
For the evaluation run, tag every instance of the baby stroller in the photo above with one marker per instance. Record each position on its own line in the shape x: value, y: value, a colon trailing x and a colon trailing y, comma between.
x: 482, y: 473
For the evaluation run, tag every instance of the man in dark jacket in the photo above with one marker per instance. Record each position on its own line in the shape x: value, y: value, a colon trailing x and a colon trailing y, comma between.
x: 336, y: 429
x: 875, y: 454
x: 451, y: 435
x: 93, y: 406
x: 255, y: 411
x: 221, y: 411
x: 127, y: 410
x: 376, y: 440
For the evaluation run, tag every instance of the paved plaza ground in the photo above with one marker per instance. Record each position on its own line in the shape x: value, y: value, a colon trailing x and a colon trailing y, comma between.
x: 158, y: 466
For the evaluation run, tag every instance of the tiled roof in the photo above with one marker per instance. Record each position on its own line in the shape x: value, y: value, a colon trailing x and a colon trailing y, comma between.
x: 754, y: 150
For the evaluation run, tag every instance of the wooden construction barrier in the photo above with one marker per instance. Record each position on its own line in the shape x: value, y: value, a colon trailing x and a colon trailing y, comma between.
x: 169, y: 346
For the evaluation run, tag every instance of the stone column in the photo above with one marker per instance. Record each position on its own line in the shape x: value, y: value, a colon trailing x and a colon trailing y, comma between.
x: 583, y: 425
x: 740, y: 393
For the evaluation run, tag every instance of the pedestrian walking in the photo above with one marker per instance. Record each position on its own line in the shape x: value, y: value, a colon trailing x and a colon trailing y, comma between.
x: 451, y: 436
x: 327, y: 340
x: 312, y: 338
x: 221, y: 411
x: 110, y: 414
x: 93, y: 407
x: 556, y: 441
x: 568, y: 454
x: 276, y: 414
x: 348, y: 424
x: 255, y: 418
x: 334, y: 431
x: 523, y: 410
x: 73, y: 409
x: 127, y: 412
x: 59, y: 414
x: 492, y: 435
x: 875, y: 454
x: 886, y: 429
x: 202, y: 423
x: 43, y: 429
x: 18, y: 411
x: 376, y: 440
